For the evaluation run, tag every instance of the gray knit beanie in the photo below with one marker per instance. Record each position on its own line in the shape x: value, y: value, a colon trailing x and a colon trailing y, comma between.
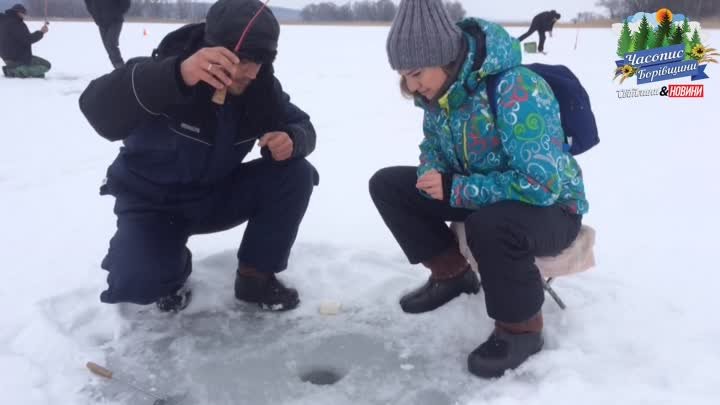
x: 422, y: 35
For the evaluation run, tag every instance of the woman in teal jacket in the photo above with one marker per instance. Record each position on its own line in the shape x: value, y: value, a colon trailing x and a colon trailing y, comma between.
x: 504, y: 173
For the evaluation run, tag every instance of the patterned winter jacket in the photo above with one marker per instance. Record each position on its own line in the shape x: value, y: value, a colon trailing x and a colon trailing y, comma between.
x: 517, y: 155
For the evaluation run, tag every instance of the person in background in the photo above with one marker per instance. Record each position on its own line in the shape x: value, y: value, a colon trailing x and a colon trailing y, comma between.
x: 109, y: 17
x: 542, y: 23
x: 16, y: 45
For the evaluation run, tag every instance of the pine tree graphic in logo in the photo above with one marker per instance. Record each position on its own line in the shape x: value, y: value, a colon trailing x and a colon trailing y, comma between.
x: 657, y: 30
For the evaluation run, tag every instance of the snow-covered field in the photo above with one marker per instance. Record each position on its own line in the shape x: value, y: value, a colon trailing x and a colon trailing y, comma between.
x: 641, y: 328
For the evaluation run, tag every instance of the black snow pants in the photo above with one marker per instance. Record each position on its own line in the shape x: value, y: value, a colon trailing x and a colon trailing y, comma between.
x: 504, y: 238
x: 148, y: 258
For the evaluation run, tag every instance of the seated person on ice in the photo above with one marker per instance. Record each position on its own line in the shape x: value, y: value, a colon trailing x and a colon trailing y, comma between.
x: 16, y: 45
x: 504, y: 173
x: 181, y: 170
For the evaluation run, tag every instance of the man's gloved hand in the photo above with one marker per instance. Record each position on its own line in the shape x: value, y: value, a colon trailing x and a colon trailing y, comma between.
x: 280, y: 145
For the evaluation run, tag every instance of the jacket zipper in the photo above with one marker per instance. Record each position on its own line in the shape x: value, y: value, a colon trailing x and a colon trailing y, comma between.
x: 466, y: 160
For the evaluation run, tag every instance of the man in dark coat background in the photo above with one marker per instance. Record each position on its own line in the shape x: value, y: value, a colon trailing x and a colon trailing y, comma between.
x: 16, y: 45
x: 109, y: 17
x: 542, y: 23
x: 181, y: 171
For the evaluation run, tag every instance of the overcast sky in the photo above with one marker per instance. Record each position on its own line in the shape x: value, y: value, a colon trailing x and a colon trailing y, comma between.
x: 508, y: 10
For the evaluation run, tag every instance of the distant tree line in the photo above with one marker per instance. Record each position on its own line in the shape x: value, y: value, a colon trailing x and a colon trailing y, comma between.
x: 588, y: 17
x: 694, y: 9
x: 189, y: 10
x: 365, y: 10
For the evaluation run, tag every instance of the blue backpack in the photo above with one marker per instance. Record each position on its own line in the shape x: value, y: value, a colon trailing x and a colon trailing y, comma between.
x: 576, y: 116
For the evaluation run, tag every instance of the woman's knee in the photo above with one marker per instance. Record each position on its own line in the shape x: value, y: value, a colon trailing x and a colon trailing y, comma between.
x: 388, y: 179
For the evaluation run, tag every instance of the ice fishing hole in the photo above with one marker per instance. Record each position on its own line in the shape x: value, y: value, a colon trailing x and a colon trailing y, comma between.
x: 322, y: 376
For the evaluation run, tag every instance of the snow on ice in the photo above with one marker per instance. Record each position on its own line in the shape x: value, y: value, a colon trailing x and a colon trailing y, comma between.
x: 641, y: 328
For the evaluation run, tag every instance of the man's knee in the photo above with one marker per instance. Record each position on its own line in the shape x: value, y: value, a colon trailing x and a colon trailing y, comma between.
x: 141, y: 278
x: 302, y: 174
x: 147, y: 259
x: 295, y: 177
x: 304, y: 169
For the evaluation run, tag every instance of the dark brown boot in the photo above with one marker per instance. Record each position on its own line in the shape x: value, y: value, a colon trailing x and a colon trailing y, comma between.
x: 532, y: 325
x: 510, y: 345
x: 451, y: 276
x: 247, y: 271
x: 448, y: 264
x: 264, y: 289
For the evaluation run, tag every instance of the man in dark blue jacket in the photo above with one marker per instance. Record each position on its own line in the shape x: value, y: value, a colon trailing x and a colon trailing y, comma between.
x: 181, y: 170
x: 542, y: 23
x: 109, y: 17
x: 16, y: 45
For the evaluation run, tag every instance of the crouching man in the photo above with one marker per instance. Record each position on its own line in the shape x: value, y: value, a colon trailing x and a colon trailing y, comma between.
x: 181, y: 170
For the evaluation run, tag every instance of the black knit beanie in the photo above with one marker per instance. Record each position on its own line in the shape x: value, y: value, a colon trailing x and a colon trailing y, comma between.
x: 226, y: 21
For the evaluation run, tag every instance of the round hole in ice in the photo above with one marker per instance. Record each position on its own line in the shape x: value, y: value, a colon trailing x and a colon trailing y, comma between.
x: 321, y: 376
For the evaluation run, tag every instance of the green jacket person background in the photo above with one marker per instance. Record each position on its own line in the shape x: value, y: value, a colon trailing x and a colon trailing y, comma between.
x: 16, y: 45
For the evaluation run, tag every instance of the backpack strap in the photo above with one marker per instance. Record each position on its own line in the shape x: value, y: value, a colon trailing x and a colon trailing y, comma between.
x: 491, y: 83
